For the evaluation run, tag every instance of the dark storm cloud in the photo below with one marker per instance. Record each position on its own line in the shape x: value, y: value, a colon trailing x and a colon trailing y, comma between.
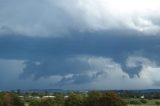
x: 54, y: 54
x: 79, y: 41
x: 102, y: 44
x: 54, y: 66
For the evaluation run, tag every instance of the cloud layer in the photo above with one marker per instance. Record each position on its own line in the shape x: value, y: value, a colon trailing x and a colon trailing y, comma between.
x: 97, y: 73
x: 52, y: 18
x: 82, y: 44
x: 83, y: 62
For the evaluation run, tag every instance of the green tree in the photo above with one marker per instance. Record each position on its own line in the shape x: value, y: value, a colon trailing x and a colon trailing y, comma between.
x: 93, y: 98
x: 10, y: 99
x: 17, y: 101
x: 7, y: 100
x: 110, y: 99
x: 157, y: 103
x: 135, y: 102
x: 47, y: 102
x: 34, y: 103
x: 75, y: 100
x: 143, y: 101
x: 59, y: 100
x: 0, y: 102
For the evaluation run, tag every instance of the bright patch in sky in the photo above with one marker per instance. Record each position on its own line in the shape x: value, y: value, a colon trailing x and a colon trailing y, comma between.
x: 132, y: 6
x: 122, y: 14
x: 46, y: 18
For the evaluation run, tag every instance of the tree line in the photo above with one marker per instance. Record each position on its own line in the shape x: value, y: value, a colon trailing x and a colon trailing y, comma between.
x: 93, y: 98
x: 10, y: 99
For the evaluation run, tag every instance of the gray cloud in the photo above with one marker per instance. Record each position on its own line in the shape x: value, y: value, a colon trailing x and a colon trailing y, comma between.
x: 80, y: 44
x: 58, y: 18
x: 55, y: 66
x: 54, y: 54
x: 102, y: 72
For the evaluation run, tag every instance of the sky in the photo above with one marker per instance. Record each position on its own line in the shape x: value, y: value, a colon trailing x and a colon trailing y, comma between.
x: 79, y: 44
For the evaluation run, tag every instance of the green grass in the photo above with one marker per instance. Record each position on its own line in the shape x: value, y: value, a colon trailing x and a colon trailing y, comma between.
x: 149, y: 102
x: 26, y: 104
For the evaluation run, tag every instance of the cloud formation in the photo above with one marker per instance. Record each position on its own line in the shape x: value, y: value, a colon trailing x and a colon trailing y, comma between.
x: 58, y: 18
x: 84, y: 61
x: 101, y: 73
x: 82, y: 44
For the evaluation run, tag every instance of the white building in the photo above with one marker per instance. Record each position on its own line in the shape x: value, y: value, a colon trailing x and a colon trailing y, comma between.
x: 44, y: 97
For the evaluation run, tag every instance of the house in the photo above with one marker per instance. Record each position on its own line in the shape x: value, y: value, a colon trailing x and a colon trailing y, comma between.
x: 142, y: 97
x: 45, y: 97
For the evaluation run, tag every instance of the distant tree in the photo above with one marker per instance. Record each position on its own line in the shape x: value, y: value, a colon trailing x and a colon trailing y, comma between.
x: 7, y: 100
x: 47, y: 102
x: 18, y: 91
x: 135, y: 102
x: 0, y: 102
x: 59, y: 100
x: 75, y: 100
x: 18, y: 101
x: 10, y: 99
x: 34, y: 94
x: 93, y: 98
x: 110, y: 99
x: 34, y: 103
x: 143, y: 101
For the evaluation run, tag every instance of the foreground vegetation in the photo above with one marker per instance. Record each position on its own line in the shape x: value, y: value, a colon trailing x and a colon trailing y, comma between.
x: 94, y: 98
x: 142, y: 102
x: 73, y: 99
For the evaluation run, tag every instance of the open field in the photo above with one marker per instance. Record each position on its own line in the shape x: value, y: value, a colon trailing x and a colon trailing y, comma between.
x: 26, y: 104
x: 142, y: 105
x: 149, y: 102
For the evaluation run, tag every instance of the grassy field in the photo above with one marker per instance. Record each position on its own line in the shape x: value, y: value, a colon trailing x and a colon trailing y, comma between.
x: 149, y: 102
x: 143, y: 105
x: 26, y: 104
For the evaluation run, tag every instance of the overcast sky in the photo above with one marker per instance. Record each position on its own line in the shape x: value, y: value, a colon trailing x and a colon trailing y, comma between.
x: 79, y: 44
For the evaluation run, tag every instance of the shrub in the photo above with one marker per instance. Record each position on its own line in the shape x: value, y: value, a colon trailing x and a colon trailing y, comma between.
x: 143, y: 101
x: 93, y: 98
x: 10, y: 99
x: 135, y: 102
x: 75, y: 100
x: 111, y: 99
x: 47, y: 102
x: 34, y: 103
x: 157, y: 103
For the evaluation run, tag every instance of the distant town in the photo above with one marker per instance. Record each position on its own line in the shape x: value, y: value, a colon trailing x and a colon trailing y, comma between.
x: 59, y: 97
